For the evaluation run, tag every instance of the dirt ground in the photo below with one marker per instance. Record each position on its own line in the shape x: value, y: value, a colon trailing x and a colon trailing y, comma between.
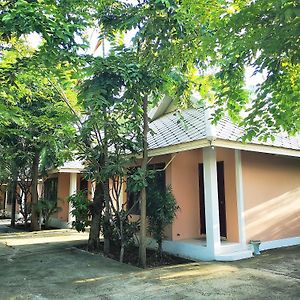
x: 46, y: 265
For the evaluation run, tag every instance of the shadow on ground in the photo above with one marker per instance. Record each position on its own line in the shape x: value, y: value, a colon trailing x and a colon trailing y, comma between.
x: 46, y: 265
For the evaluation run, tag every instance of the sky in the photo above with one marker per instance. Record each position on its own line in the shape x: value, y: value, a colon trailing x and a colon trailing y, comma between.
x: 35, y: 40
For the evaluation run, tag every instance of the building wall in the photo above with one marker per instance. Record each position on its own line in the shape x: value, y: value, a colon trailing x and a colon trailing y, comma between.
x: 155, y: 160
x: 63, y: 190
x: 227, y: 155
x: 2, y: 196
x: 185, y: 184
x: 182, y: 174
x: 271, y: 196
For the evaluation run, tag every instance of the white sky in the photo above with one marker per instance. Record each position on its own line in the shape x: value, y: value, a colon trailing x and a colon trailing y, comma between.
x: 34, y: 40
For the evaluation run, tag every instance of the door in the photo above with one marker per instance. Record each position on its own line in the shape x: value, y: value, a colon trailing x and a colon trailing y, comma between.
x: 221, y: 196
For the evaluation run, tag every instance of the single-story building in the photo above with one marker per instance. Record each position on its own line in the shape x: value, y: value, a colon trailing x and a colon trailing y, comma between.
x: 229, y: 192
x: 62, y: 183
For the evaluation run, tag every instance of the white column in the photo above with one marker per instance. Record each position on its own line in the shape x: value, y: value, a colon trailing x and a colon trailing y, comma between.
x: 93, y: 188
x: 73, y: 190
x: 240, y: 198
x: 213, y: 239
x: 40, y: 188
x: 6, y: 198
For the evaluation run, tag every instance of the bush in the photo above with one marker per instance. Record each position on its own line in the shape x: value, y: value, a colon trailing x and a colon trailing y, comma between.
x: 47, y: 208
x: 81, y: 210
x: 161, y: 211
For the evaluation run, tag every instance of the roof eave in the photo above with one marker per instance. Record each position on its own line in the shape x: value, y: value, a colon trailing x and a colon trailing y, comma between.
x: 224, y: 144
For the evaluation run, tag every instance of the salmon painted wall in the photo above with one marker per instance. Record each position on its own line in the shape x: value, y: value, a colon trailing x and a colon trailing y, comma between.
x: 63, y: 190
x: 227, y: 155
x: 2, y: 196
x: 182, y: 174
x: 155, y: 160
x: 185, y: 184
x: 271, y: 195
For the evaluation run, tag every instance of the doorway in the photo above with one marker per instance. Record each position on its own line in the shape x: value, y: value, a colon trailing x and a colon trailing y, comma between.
x: 221, y: 196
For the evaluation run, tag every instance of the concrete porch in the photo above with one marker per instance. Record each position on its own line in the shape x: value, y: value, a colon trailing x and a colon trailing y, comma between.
x: 197, y: 249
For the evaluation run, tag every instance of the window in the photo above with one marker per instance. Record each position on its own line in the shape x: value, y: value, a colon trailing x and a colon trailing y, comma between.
x: 50, y: 189
x: 158, y: 182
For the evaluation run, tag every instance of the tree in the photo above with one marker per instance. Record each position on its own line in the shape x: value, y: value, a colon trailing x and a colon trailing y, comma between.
x: 61, y: 26
x: 109, y: 128
x: 43, y: 118
x: 154, y: 22
x: 221, y: 39
x: 261, y: 34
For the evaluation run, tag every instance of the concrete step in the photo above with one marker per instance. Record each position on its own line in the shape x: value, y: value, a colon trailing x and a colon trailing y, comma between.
x: 229, y: 248
x: 237, y: 255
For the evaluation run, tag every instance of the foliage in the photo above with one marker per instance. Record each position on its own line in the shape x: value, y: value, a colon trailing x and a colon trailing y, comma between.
x: 60, y: 25
x: 262, y: 34
x: 41, y: 122
x: 217, y: 46
x: 129, y: 230
x: 161, y: 211
x: 47, y: 207
x: 24, y: 193
x: 81, y: 210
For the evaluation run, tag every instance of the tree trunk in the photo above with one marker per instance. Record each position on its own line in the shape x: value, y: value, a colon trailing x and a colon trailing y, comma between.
x: 106, y: 218
x: 143, y: 229
x: 94, y: 239
x: 106, y: 189
x: 5, y: 199
x: 122, y: 250
x: 13, y: 196
x: 34, y: 193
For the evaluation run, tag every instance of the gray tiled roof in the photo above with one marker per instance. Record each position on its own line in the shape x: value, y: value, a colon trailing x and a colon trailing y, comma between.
x: 172, y: 129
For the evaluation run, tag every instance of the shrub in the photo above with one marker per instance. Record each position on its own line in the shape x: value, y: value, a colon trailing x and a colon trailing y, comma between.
x: 81, y: 210
x: 161, y: 210
x: 47, y: 208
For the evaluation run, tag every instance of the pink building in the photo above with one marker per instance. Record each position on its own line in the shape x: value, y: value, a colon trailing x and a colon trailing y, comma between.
x: 229, y: 192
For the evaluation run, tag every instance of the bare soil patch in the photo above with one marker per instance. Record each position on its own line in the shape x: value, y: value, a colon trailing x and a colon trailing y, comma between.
x: 131, y: 256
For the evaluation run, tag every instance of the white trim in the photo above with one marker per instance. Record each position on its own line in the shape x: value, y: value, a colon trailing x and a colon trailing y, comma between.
x: 256, y: 148
x: 161, y: 108
x: 240, y: 198
x: 61, y: 170
x: 225, y: 144
x: 190, y: 249
x: 292, y: 241
x: 179, y: 148
x: 212, y: 221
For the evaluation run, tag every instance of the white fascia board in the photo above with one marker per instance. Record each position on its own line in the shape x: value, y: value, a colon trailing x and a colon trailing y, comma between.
x: 255, y: 148
x: 70, y: 170
x: 53, y: 171
x: 223, y: 144
x: 179, y: 148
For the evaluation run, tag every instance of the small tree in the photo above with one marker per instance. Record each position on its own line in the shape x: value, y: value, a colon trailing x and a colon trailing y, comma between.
x: 161, y: 210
